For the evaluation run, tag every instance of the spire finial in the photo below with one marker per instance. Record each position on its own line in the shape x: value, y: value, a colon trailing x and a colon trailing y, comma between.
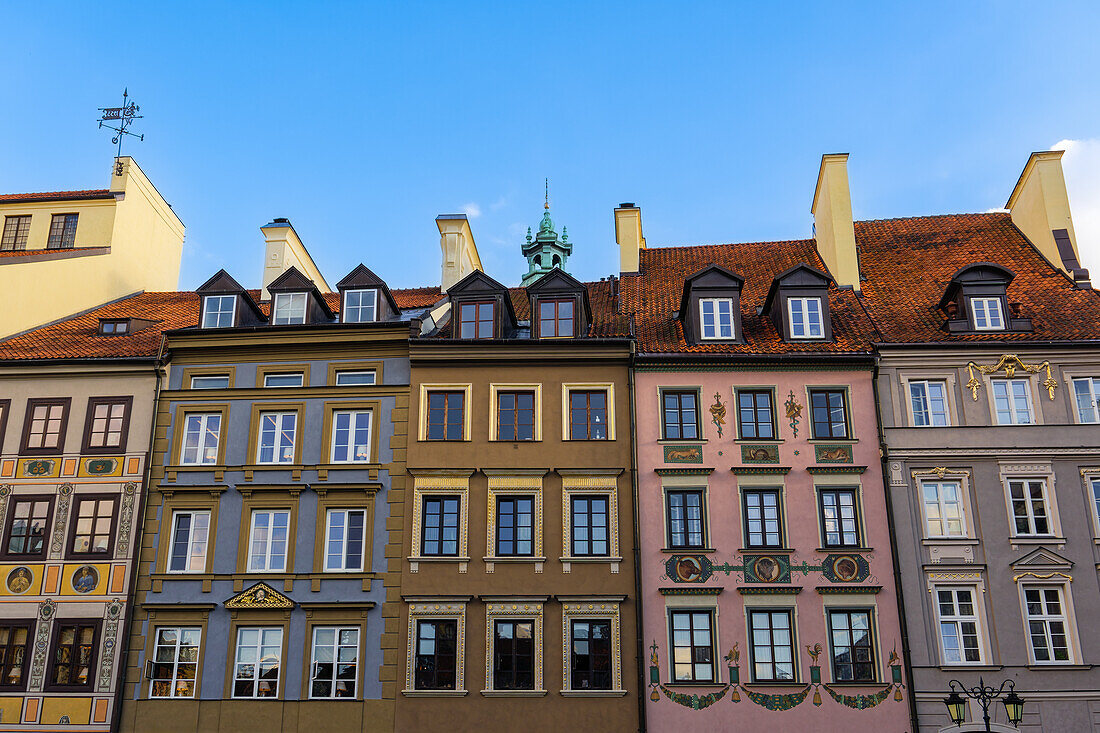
x: 547, y: 204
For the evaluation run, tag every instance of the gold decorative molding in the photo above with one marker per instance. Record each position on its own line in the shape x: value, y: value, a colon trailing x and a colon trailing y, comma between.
x: 262, y: 596
x: 1009, y: 363
x: 1041, y: 576
x: 940, y: 472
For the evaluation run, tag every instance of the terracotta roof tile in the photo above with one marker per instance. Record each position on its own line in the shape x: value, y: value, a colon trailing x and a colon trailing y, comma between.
x: 91, y: 193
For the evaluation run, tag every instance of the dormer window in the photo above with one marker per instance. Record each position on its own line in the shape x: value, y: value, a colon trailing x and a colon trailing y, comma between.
x: 289, y: 309
x: 475, y: 320
x: 219, y: 311
x: 805, y: 318
x: 987, y: 314
x: 360, y: 306
x: 108, y: 327
x: 716, y: 318
x: 976, y: 301
x: 556, y: 318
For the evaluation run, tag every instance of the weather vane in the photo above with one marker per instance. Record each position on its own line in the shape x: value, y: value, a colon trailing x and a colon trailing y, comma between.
x: 546, y: 205
x: 123, y: 117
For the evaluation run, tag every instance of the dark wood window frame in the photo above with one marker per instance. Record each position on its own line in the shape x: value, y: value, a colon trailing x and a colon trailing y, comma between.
x: 65, y: 403
x: 448, y: 395
x: 442, y: 499
x: 55, y: 637
x: 829, y: 392
x: 74, y: 515
x: 600, y: 662
x: 508, y: 508
x: 16, y: 230
x: 89, y: 420
x: 514, y: 655
x: 695, y: 648
x: 9, y: 648
x: 772, y: 645
x: 836, y: 491
x: 677, y: 410
x: 589, y: 426
x: 557, y: 320
x: 13, y: 501
x: 853, y: 662
x: 687, y: 532
x: 477, y: 320
x: 761, y: 492
x: 515, y: 412
x: 66, y: 237
x: 589, y: 514
x: 754, y: 409
x: 432, y: 675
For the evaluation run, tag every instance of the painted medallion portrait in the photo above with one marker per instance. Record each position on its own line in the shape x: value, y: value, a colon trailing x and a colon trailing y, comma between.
x: 689, y: 569
x: 845, y: 568
x: 19, y: 580
x: 766, y: 569
x: 85, y: 579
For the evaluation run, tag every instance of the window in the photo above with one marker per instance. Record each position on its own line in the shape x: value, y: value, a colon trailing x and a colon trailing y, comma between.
x: 259, y: 657
x: 14, y: 641
x: 929, y: 401
x: 350, y: 379
x: 587, y: 415
x: 755, y: 416
x: 277, y: 434
x: 72, y: 665
x: 762, y: 521
x: 1096, y: 498
x: 440, y: 533
x: 1029, y: 507
x: 44, y: 427
x: 515, y: 416
x: 62, y: 231
x: 943, y: 508
x: 772, y: 646
x: 853, y: 651
x: 16, y: 229
x: 334, y: 669
x: 685, y: 519
x: 93, y: 531
x: 351, y: 436
x: 267, y: 543
x: 1087, y: 395
x: 1012, y: 401
x: 681, y: 419
x: 107, y: 421
x: 289, y: 309
x: 446, y: 419
x: 589, y: 523
x: 805, y: 318
x: 174, y: 667
x: 839, y: 518
x: 290, y: 379
x: 30, y: 522
x: 987, y: 314
x: 475, y: 320
x: 590, y: 656
x: 219, y: 311
x: 113, y: 327
x: 556, y: 318
x: 692, y: 646
x: 436, y: 654
x: 344, y: 539
x: 218, y: 381
x: 513, y: 655
x: 716, y: 318
x: 1046, y: 624
x: 201, y: 435
x: 515, y: 526
x: 830, y: 413
x: 360, y: 306
x: 190, y: 537
x: 958, y: 625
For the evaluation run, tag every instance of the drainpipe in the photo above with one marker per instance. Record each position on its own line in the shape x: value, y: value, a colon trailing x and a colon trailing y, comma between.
x: 884, y: 458
x: 135, y: 548
x: 637, y: 550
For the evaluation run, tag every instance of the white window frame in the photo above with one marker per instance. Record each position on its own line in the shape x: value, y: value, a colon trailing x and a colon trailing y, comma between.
x: 957, y: 620
x: 716, y: 325
x: 941, y: 506
x: 1048, y: 506
x: 353, y: 373
x: 1013, y: 407
x: 267, y: 553
x: 336, y: 647
x: 1092, y: 483
x: 1093, y: 390
x: 191, y: 542
x: 258, y: 647
x: 276, y: 375
x: 1066, y: 618
x: 343, y: 541
x: 989, y: 307
x: 197, y: 379
x: 278, y: 447
x: 346, y: 310
x: 202, y: 450
x: 805, y: 323
x: 289, y: 309
x: 219, y: 311
x: 175, y: 663
x: 351, y: 455
x: 925, y: 385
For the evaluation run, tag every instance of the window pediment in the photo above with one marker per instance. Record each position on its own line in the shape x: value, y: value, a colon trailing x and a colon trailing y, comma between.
x: 295, y: 300
x: 710, y: 306
x: 470, y: 295
x: 360, y: 280
x: 798, y: 304
x: 218, y: 311
x: 559, y: 306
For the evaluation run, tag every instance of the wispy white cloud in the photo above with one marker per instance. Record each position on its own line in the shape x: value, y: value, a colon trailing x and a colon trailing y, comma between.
x: 1081, y: 165
x: 499, y: 204
x: 472, y: 210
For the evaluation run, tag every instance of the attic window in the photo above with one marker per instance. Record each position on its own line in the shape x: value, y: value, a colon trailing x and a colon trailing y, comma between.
x: 360, y: 306
x: 805, y: 318
x: 976, y: 300
x: 475, y: 320
x: 987, y: 314
x: 716, y: 318
x: 114, y: 327
x: 219, y: 311
x: 289, y: 309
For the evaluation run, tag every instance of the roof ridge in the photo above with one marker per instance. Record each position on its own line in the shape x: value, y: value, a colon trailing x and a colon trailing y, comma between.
x: 932, y: 216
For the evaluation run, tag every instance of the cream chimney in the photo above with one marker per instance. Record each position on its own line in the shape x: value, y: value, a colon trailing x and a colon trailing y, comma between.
x: 460, y: 256
x: 1039, y: 206
x: 628, y: 233
x: 833, y: 228
x: 285, y: 250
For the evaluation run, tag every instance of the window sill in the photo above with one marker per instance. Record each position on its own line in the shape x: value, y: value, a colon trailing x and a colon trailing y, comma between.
x: 437, y: 558
x: 695, y: 684
x: 687, y: 550
x: 1037, y: 540
x: 976, y: 667
x: 588, y: 440
x: 950, y: 541
x: 591, y: 559
x: 854, y: 684
x: 685, y: 441
x: 844, y: 548
x: 766, y: 550
x: 1059, y: 667
x: 514, y: 559
x: 758, y: 441
x: 593, y: 693
x: 360, y: 465
x: 513, y: 693
x: 516, y: 442
x: 434, y: 693
x: 833, y: 441
x: 761, y: 685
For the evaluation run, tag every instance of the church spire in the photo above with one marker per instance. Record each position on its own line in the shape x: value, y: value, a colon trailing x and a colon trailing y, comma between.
x: 547, y: 250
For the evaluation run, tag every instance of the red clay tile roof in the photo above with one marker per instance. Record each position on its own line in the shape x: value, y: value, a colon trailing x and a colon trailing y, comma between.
x: 417, y: 297
x: 654, y: 295
x: 93, y: 193
x: 60, y: 251
x: 908, y: 263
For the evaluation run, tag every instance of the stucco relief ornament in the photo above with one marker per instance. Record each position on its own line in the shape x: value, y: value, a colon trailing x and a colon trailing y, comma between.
x: 718, y: 413
x: 794, y: 412
x: 1009, y: 363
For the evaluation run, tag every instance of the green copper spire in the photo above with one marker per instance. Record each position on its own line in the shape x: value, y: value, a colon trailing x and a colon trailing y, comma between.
x: 547, y: 250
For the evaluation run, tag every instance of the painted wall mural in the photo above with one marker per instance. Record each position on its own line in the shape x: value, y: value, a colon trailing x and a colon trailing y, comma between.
x: 766, y: 568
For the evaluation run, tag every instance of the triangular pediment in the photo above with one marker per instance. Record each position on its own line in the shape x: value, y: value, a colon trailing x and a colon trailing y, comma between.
x: 556, y: 280
x: 261, y: 595
x: 714, y: 276
x: 220, y: 282
x: 360, y: 277
x: 292, y: 280
x: 476, y: 282
x: 1043, y: 558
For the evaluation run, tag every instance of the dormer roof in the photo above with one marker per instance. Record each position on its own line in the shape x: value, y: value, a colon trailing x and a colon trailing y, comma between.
x: 293, y: 281
x: 980, y: 273
x: 222, y: 283
x: 362, y: 278
x: 799, y: 276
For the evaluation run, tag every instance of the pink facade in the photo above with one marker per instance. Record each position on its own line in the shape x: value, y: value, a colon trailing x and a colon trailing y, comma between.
x: 780, y: 574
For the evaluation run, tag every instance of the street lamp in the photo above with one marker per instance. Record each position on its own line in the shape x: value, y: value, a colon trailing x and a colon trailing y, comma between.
x: 984, y: 694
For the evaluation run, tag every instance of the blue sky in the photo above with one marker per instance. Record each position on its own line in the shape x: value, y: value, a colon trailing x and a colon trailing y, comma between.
x: 360, y: 122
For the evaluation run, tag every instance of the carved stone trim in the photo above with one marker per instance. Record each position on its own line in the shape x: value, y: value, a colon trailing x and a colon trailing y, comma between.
x: 126, y: 519
x: 111, y: 617
x: 61, y: 520
x: 46, y: 611
x: 1009, y: 363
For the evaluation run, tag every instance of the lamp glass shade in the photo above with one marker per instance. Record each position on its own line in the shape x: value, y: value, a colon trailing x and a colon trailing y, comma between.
x: 1014, y: 706
x: 956, y: 707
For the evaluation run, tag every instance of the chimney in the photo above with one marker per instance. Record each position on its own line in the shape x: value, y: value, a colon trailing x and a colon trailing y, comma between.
x: 628, y: 233
x: 460, y: 256
x: 285, y: 250
x: 1039, y: 206
x: 833, y: 228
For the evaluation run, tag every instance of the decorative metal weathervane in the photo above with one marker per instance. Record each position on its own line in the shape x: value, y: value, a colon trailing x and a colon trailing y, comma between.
x: 123, y: 117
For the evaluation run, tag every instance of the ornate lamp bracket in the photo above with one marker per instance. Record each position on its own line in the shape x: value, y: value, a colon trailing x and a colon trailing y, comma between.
x: 1009, y: 363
